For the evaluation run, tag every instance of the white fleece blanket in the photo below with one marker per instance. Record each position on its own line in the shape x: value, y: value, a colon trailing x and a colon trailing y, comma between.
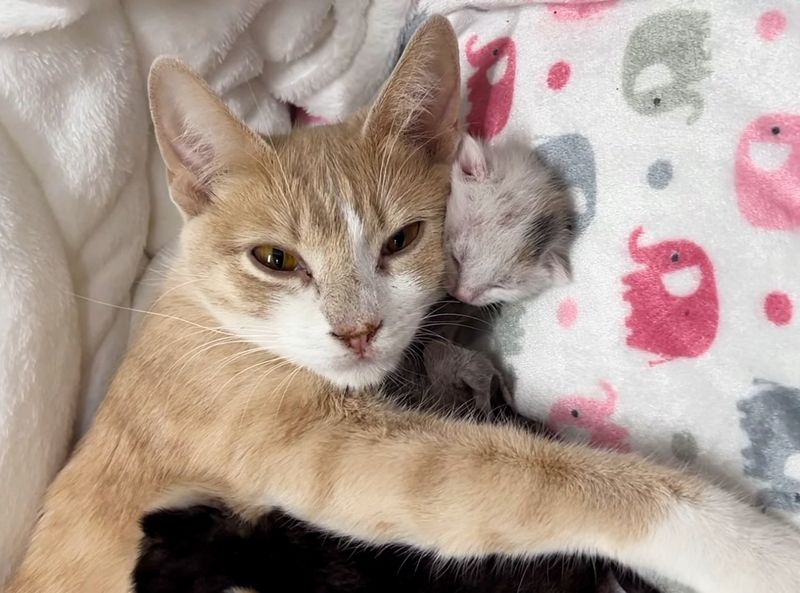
x: 73, y: 215
x: 677, y: 124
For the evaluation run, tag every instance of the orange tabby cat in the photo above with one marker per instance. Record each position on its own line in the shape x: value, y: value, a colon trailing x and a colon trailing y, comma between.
x: 308, y: 262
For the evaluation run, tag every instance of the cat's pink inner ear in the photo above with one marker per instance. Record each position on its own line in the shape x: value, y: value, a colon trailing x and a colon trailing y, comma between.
x: 420, y: 101
x: 197, y: 134
x: 472, y: 158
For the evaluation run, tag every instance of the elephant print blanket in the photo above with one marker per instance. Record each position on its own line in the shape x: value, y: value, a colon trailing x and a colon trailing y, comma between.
x: 677, y: 126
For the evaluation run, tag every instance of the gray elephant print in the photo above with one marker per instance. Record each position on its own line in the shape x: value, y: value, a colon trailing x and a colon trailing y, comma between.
x: 674, y: 39
x: 571, y: 157
x: 772, y: 423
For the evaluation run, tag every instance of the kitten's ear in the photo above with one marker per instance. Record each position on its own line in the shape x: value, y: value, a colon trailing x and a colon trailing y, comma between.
x: 197, y: 134
x: 472, y: 158
x: 420, y: 101
x: 558, y: 266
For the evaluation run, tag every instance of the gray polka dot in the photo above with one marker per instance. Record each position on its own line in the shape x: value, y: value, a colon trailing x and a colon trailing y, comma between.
x: 684, y: 447
x: 659, y: 174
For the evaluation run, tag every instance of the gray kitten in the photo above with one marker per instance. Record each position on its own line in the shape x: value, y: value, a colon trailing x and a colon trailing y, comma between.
x: 508, y: 231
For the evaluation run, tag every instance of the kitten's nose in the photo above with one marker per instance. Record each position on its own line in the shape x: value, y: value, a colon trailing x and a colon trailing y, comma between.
x: 357, y: 337
x: 466, y: 295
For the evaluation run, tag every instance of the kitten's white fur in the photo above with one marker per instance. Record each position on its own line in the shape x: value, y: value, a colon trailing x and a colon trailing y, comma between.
x: 498, y: 194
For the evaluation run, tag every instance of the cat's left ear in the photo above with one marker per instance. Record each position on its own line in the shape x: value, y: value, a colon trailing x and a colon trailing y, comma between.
x: 420, y: 101
x: 199, y: 137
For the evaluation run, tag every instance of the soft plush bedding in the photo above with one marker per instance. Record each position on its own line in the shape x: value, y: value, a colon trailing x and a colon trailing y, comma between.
x: 676, y: 123
x: 73, y: 221
x: 678, y: 126
x: 83, y: 202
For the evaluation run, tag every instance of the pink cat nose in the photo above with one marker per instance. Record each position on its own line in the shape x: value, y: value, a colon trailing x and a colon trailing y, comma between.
x: 357, y: 337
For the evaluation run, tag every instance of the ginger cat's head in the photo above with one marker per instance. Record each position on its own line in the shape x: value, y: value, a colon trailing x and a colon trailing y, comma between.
x: 323, y: 246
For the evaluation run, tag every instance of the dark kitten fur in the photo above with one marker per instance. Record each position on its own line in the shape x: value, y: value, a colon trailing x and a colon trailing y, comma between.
x: 205, y: 549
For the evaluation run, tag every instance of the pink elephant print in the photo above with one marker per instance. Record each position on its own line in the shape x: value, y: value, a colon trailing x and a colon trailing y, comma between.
x: 490, y: 93
x: 768, y: 172
x: 674, y: 303
x: 590, y: 416
x: 578, y: 10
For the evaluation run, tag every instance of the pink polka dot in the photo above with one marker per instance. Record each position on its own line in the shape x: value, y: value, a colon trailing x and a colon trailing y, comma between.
x: 771, y: 24
x: 567, y: 312
x: 778, y: 307
x: 558, y: 76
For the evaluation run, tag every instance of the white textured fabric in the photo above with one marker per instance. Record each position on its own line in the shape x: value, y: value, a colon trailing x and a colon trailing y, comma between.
x: 82, y: 192
x: 677, y: 125
x: 74, y: 205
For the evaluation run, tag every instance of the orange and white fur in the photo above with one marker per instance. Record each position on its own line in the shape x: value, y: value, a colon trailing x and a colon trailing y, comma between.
x: 308, y: 262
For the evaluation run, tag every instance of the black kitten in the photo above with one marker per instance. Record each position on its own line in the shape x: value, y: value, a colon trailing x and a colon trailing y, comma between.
x: 206, y: 549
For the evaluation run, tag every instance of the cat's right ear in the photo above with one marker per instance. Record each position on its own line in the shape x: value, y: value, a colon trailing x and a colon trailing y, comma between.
x: 198, y: 136
x: 420, y: 101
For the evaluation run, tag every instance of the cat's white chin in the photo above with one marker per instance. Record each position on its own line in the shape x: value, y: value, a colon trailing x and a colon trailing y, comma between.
x: 364, y: 373
x: 346, y: 370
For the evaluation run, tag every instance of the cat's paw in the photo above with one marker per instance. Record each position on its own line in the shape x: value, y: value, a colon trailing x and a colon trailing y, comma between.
x: 764, y: 555
x: 717, y: 544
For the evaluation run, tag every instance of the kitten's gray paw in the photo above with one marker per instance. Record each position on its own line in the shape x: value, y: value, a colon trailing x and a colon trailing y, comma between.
x: 464, y: 379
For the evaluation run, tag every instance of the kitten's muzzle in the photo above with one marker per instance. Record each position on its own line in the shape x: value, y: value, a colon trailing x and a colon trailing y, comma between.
x: 471, y: 296
x: 357, y: 337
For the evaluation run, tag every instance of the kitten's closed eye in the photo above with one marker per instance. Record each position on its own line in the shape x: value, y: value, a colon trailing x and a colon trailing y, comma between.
x: 277, y: 259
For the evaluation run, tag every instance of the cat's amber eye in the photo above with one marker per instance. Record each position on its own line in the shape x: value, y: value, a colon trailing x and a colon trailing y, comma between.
x: 402, y: 238
x: 276, y: 259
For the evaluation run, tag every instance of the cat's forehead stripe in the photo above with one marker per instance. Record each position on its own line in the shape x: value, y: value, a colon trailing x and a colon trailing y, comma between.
x: 359, y: 245
x: 354, y: 224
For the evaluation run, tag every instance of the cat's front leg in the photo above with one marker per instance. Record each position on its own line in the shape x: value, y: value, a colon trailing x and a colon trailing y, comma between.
x: 464, y: 490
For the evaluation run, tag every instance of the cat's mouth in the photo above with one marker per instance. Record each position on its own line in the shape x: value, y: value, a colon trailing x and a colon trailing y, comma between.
x: 361, y: 371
